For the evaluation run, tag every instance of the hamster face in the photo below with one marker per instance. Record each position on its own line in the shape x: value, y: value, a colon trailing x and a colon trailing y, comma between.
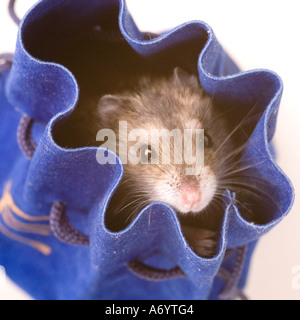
x: 167, y: 180
x: 157, y: 108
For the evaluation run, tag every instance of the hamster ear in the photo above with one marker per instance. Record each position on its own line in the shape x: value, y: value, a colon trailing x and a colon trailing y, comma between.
x: 182, y: 78
x: 109, y: 108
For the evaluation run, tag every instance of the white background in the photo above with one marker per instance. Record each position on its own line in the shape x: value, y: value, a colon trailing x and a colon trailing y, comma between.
x: 257, y: 34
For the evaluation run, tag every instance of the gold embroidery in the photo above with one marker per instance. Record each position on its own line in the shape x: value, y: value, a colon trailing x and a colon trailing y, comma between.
x: 35, y: 244
x: 7, y: 201
x: 7, y: 211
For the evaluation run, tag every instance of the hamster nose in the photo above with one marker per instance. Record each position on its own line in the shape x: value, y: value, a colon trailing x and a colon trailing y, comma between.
x: 190, y: 194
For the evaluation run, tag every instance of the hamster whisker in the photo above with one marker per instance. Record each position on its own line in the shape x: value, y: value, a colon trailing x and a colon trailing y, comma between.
x: 240, y: 169
x: 163, y: 171
x: 136, y: 210
x: 220, y: 115
x: 241, y: 181
x: 208, y: 107
x: 252, y: 190
x: 126, y: 206
x: 232, y: 155
x: 233, y: 131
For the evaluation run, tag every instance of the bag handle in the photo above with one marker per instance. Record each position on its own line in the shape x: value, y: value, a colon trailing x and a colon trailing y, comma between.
x: 5, y: 61
x: 24, y: 136
x: 63, y: 229
x: 12, y: 12
x: 231, y: 290
x: 145, y: 272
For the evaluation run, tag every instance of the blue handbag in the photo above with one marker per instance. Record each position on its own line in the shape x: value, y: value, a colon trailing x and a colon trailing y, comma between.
x: 54, y: 242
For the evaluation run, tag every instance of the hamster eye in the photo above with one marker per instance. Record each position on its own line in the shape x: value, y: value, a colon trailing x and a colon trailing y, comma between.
x: 147, y: 153
x: 207, y: 141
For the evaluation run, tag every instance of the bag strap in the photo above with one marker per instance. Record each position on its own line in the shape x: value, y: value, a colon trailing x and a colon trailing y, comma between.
x: 231, y: 290
x: 63, y: 229
x: 145, y: 272
x: 12, y: 12
x: 24, y: 136
x: 6, y: 60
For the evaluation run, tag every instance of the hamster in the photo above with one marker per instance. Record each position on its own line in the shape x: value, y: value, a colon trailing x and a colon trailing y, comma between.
x: 170, y: 102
